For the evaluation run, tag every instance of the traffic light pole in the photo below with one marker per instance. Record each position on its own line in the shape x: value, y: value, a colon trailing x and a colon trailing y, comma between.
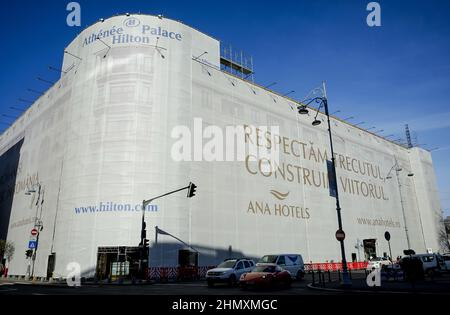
x: 142, y: 245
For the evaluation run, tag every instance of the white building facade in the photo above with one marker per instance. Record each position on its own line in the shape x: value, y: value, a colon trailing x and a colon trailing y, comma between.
x: 100, y: 141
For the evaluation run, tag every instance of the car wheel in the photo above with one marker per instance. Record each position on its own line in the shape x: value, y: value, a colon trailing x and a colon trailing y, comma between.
x: 232, y: 280
x: 300, y: 275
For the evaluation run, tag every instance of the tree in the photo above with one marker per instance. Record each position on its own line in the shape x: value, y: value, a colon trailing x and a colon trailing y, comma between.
x: 7, y: 250
x: 442, y: 234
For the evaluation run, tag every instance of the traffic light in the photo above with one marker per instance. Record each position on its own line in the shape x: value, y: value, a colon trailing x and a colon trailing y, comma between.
x: 192, y: 190
x: 28, y: 253
x: 146, y: 243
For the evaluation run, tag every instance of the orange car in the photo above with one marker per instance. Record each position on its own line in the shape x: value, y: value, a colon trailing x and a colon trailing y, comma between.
x: 267, y: 276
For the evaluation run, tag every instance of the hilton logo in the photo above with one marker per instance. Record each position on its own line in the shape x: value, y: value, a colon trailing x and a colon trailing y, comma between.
x: 131, y: 22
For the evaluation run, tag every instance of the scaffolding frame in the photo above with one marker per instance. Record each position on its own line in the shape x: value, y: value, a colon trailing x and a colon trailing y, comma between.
x: 236, y: 62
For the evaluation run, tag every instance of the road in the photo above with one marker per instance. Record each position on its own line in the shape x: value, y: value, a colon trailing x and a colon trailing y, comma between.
x: 189, y: 288
x: 440, y: 285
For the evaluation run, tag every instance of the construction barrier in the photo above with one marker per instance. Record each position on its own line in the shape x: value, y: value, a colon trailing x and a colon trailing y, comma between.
x: 335, y: 266
x: 197, y: 273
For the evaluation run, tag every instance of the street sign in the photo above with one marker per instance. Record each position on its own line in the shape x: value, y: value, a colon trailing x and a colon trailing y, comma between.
x: 331, y: 180
x: 340, y: 235
x: 34, y: 232
x: 32, y: 244
x: 387, y: 236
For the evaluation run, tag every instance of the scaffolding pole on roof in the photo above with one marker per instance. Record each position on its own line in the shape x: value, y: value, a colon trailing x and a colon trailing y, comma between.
x: 236, y: 63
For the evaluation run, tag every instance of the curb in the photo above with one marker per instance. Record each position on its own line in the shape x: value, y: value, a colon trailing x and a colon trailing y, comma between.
x: 64, y: 285
x: 311, y: 287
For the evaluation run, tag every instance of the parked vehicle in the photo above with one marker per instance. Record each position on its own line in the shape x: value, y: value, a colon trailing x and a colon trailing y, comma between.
x: 267, y: 276
x: 431, y: 263
x: 446, y: 258
x: 392, y: 271
x: 229, y: 271
x: 378, y: 262
x: 290, y: 262
x: 412, y: 268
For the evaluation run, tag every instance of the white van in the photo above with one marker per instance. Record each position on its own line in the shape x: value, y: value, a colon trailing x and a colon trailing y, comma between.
x: 290, y: 262
x: 432, y: 263
x: 446, y: 258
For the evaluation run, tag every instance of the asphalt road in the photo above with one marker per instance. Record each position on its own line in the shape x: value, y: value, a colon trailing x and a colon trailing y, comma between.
x: 179, y: 289
x: 440, y: 285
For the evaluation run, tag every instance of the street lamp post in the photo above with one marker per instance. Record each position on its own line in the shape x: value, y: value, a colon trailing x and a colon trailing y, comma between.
x: 397, y: 173
x: 358, y: 246
x: 398, y: 169
x: 39, y: 226
x: 37, y: 223
x: 303, y: 110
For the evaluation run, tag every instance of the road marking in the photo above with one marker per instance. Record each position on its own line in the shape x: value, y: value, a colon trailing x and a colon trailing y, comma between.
x: 6, y: 283
x: 38, y: 294
x: 181, y: 284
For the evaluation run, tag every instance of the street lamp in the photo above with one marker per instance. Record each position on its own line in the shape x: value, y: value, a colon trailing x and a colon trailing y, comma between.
x: 323, y: 102
x: 358, y: 246
x: 398, y: 169
x: 38, y: 224
x: 303, y: 110
x: 289, y: 93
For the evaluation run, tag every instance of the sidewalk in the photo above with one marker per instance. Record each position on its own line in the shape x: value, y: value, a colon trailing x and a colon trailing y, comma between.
x: 439, y: 285
x: 63, y: 283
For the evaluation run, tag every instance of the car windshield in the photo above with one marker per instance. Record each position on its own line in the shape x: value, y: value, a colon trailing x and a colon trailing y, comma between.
x: 264, y: 269
x: 269, y: 259
x: 227, y: 264
x: 377, y: 259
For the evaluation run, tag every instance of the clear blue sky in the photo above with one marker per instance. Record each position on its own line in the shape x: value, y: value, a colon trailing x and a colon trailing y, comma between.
x: 388, y: 76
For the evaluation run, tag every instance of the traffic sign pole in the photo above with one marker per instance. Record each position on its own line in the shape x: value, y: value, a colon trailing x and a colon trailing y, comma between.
x: 387, y: 236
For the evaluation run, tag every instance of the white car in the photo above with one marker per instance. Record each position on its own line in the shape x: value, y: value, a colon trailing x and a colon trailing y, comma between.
x: 377, y: 263
x: 446, y: 258
x: 432, y: 263
x: 290, y: 262
x: 229, y: 271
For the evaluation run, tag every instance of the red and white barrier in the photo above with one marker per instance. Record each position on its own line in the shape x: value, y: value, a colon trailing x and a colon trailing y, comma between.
x: 194, y: 273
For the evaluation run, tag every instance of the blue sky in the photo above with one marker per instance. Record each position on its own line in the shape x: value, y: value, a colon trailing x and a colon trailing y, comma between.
x: 388, y: 76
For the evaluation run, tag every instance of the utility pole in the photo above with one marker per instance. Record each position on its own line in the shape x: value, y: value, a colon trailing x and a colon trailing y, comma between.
x: 402, y: 202
x: 340, y: 235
